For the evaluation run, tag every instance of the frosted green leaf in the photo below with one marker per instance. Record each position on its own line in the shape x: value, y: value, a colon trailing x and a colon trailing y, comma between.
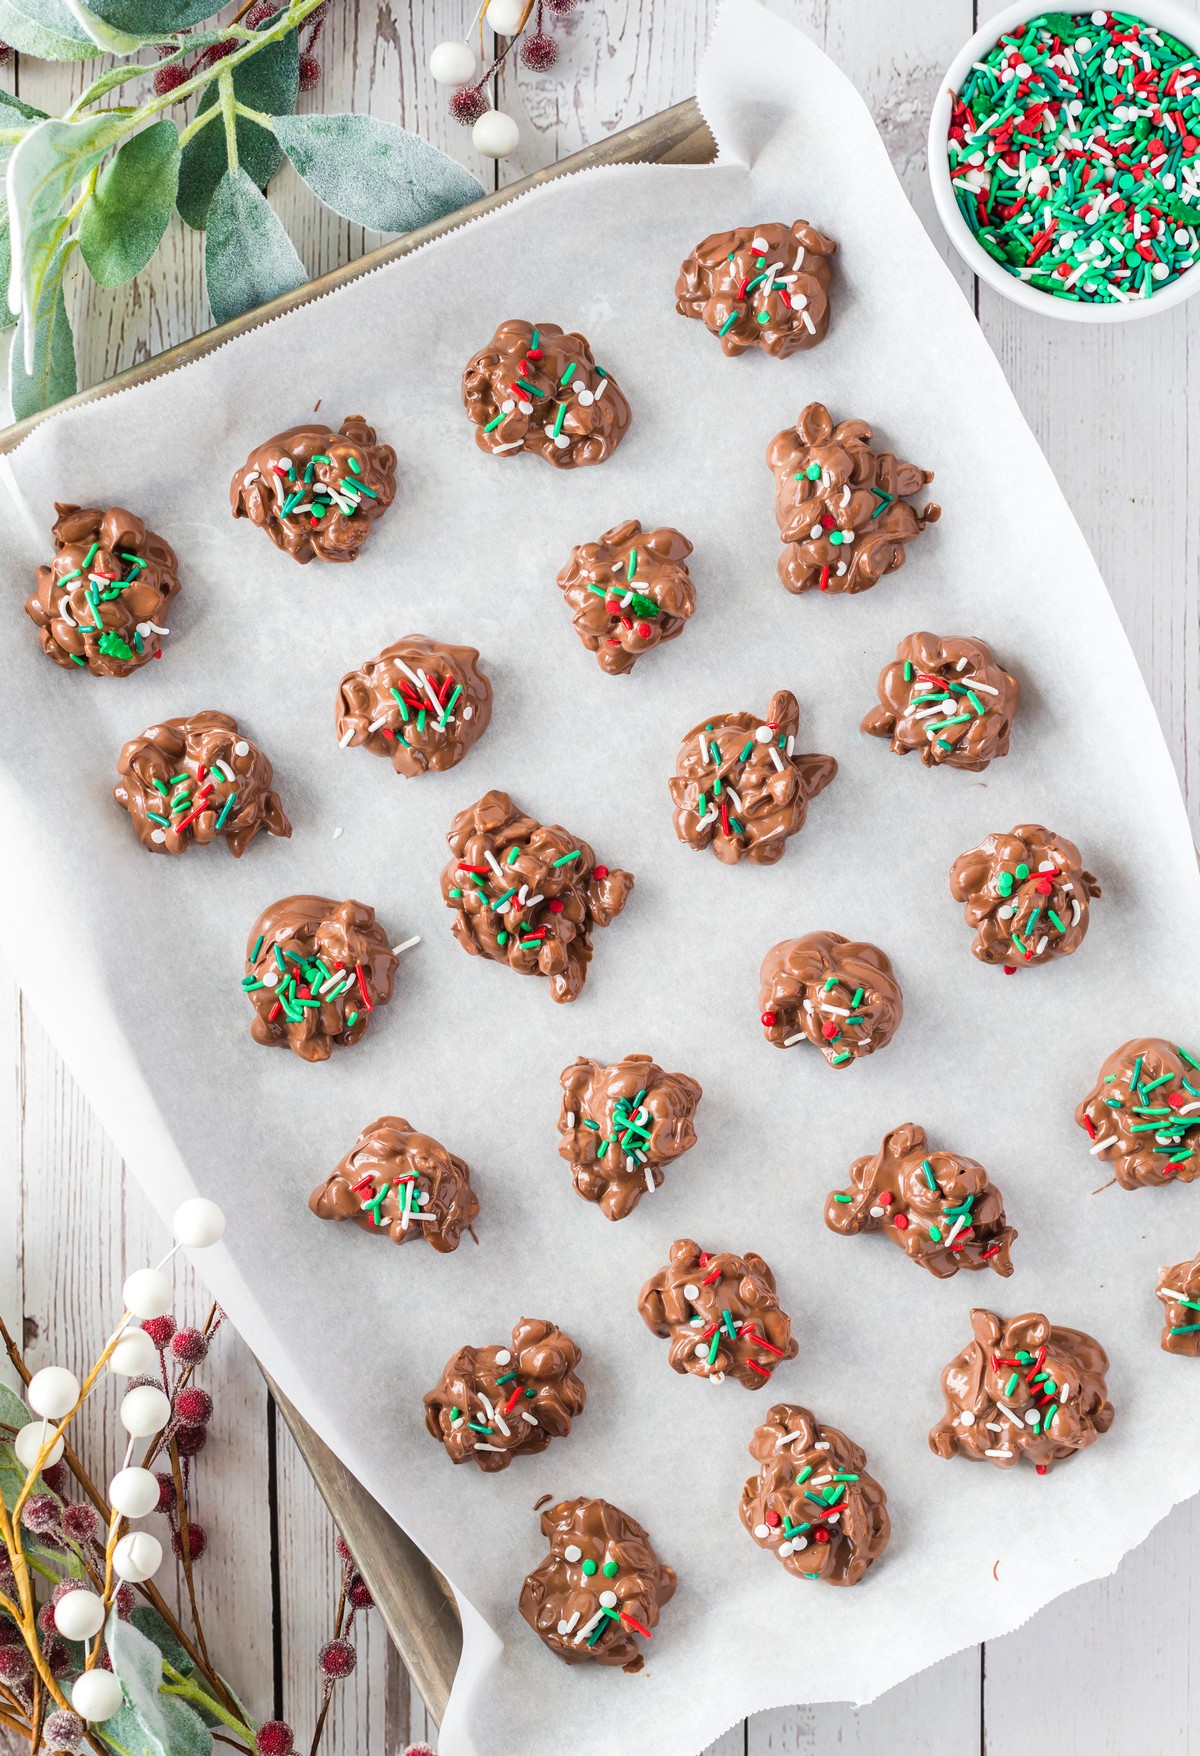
x: 373, y: 172
x: 123, y: 223
x: 248, y: 257
x: 44, y: 28
x: 114, y: 42
x: 150, y: 18
x: 50, y: 374
x: 7, y: 317
x: 148, y: 1721
x: 269, y: 81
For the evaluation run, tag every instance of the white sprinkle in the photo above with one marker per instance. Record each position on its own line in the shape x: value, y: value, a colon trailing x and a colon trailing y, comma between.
x: 411, y: 675
x: 513, y: 445
x: 1064, y: 1390
x: 406, y: 944
x: 241, y: 748
x: 804, y: 317
x: 373, y: 727
x: 759, y: 244
x: 572, y: 1552
x: 1076, y: 911
x: 607, y: 1600
x: 791, y: 745
x: 1101, y: 1144
x: 599, y: 390
x: 480, y: 1446
x: 997, y: 1454
x: 528, y: 1418
x: 1009, y: 1415
x: 986, y: 688
x: 494, y: 863
x: 877, y: 1212
x: 776, y: 758
x: 507, y: 407
x: 1032, y: 1417
x: 588, y: 1626
x: 821, y: 1445
x: 502, y: 1424
x: 703, y: 746
x: 270, y: 978
x: 691, y: 1291
x: 570, y: 1118
x: 584, y: 396
x: 798, y: 1038
x: 532, y: 901
x: 503, y: 1357
x: 959, y: 1223
x: 562, y: 440
x: 762, y: 1531
x: 966, y: 1418
x: 145, y: 628
x: 158, y: 835
x: 254, y: 476
x: 788, y: 1439
x: 737, y: 803
x: 764, y: 735
x: 649, y: 1174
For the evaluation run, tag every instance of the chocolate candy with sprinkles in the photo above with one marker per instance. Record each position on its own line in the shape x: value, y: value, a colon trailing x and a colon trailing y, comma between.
x: 597, y: 1595
x: 398, y: 1183
x: 1179, y: 1289
x: 316, y: 970
x: 495, y: 1403
x: 843, y: 517
x: 721, y: 1315
x: 187, y: 782
x: 420, y: 703
x: 1074, y: 155
x: 812, y: 1503
x: 763, y: 286
x: 741, y: 787
x: 621, y: 1125
x: 316, y: 492
x: 1026, y: 894
x: 101, y: 604
x: 1142, y: 1116
x: 838, y: 994
x: 628, y: 592
x: 528, y: 894
x: 1023, y: 1389
x: 940, y: 1207
x: 537, y: 388
x: 947, y: 697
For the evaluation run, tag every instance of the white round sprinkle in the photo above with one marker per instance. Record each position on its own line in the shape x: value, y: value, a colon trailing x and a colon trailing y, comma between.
x: 966, y: 1418
x: 423, y: 1198
x: 759, y: 244
x: 158, y: 836
x: 877, y: 1213
x: 762, y: 1531
x: 572, y: 1552
x: 503, y: 1357
x: 701, y: 1350
x: 526, y: 408
x: 143, y: 629
x: 506, y: 408
x: 585, y: 397
x: 241, y: 748
x: 270, y: 978
x: 785, y: 1548
x: 607, y: 1600
x: 562, y: 1627
x: 562, y: 440
x: 717, y: 1378
x: 763, y: 735
x: 1032, y: 1417
x: 799, y: 301
x: 691, y: 1291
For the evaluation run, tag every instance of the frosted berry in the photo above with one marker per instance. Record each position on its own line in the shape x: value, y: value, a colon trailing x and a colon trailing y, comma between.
x: 190, y: 1441
x: 468, y: 104
x: 560, y: 8
x: 310, y: 72
x: 41, y: 1514
x: 16, y: 1666
x: 166, y: 1491
x: 56, y: 1477
x: 193, y: 1406
x: 342, y: 1549
x: 168, y: 79
x: 539, y: 52
x: 189, y: 1346
x: 5, y: 54
x: 274, y: 1738
x: 160, y: 1330
x: 218, y: 51
x: 261, y: 10
x: 360, y: 1594
x: 337, y: 1659
x: 59, y: 1657
x: 126, y: 1602
x: 197, y: 1541
x: 63, y: 1731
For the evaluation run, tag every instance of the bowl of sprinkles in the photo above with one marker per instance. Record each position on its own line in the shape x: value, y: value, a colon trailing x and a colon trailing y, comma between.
x: 1064, y: 152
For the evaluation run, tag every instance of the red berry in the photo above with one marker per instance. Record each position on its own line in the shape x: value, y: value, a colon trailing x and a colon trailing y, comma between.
x: 41, y: 1514
x: 770, y: 1020
x: 560, y: 8
x: 468, y: 104
x: 166, y: 1492
x: 197, y: 1541
x: 56, y: 1477
x: 16, y: 1666
x: 167, y: 79
x: 337, y: 1658
x: 79, y: 1523
x: 218, y: 51
x: 5, y: 53
x: 63, y: 1730
x: 310, y: 72
x: 189, y: 1346
x: 360, y: 1594
x: 126, y: 1603
x: 600, y: 872
x: 193, y: 1406
x: 261, y: 10
x: 342, y: 1550
x: 539, y: 52
x: 274, y: 1738
x: 59, y: 1657
x: 190, y: 1441
x: 160, y: 1330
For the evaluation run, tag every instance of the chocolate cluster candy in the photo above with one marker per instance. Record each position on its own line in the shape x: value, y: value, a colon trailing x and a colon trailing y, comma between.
x: 947, y: 697
x: 1026, y: 894
x: 938, y: 1206
x: 628, y: 592
x: 764, y: 286
x: 528, y: 894
x: 812, y: 1502
x: 492, y: 1404
x: 1179, y: 1289
x: 536, y: 387
x: 315, y: 972
x: 401, y: 1184
x: 100, y: 605
x: 598, y: 1593
x: 315, y: 492
x: 843, y: 517
x: 838, y: 994
x: 421, y: 704
x: 1143, y: 1112
x: 195, y: 780
x: 740, y: 786
x: 1023, y: 1388
x: 621, y: 1124
x: 720, y: 1313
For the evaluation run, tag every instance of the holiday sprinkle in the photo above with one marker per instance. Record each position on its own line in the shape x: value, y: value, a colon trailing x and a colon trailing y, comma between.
x: 1073, y: 156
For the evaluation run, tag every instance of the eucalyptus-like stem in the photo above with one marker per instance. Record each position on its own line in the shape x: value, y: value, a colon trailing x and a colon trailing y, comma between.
x: 229, y: 115
x: 190, y: 1691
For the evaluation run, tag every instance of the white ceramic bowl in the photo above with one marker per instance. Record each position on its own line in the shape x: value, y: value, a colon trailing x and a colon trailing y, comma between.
x: 1171, y: 17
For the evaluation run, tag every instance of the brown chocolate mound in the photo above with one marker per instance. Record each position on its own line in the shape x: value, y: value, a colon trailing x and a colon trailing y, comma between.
x: 536, y: 388
x: 720, y: 1313
x: 628, y: 592
x: 421, y: 703
x: 741, y: 788
x: 1026, y: 894
x: 812, y: 1502
x: 1147, y: 1080
x: 621, y: 1124
x: 1179, y: 1289
x: 195, y: 780
x: 100, y: 605
x: 947, y: 697
x: 842, y: 515
x: 838, y: 994
x: 401, y: 1184
x: 598, y: 1593
x: 315, y: 492
x: 764, y: 286
x: 528, y: 894
x: 492, y: 1404
x: 938, y: 1206
x: 315, y: 972
x: 1023, y: 1388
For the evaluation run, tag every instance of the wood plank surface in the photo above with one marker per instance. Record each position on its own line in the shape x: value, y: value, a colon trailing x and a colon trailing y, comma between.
x: 1118, y: 414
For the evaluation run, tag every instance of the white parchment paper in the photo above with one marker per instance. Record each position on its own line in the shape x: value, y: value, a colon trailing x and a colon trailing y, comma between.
x: 135, y: 961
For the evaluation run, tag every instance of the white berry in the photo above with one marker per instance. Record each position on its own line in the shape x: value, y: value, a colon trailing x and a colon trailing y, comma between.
x: 504, y: 16
x: 495, y: 135
x: 137, y: 1556
x: 133, y: 1492
x: 79, y: 1614
x: 147, y: 1293
x: 53, y: 1392
x: 453, y: 63
x: 145, y: 1411
x: 198, y: 1223
x: 29, y: 1441
x: 96, y: 1696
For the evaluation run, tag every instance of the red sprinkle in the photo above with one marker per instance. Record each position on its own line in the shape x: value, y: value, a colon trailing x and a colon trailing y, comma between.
x: 556, y: 905
x: 769, y: 1019
x: 901, y: 1222
x: 362, y: 982
x: 599, y: 871
x: 771, y: 1518
x: 1090, y: 1126
x: 634, y: 1623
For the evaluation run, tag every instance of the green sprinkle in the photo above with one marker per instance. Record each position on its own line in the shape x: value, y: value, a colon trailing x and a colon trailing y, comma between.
x: 728, y: 323
x: 565, y: 859
x: 492, y: 425
x: 225, y: 810
x: 514, y: 854
x: 568, y: 374
x: 257, y: 948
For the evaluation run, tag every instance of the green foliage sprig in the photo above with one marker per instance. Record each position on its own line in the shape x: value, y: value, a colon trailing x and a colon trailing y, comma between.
x: 101, y: 181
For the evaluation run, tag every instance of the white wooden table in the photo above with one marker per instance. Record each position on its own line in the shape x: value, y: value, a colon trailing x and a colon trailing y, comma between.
x: 1105, y: 1671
